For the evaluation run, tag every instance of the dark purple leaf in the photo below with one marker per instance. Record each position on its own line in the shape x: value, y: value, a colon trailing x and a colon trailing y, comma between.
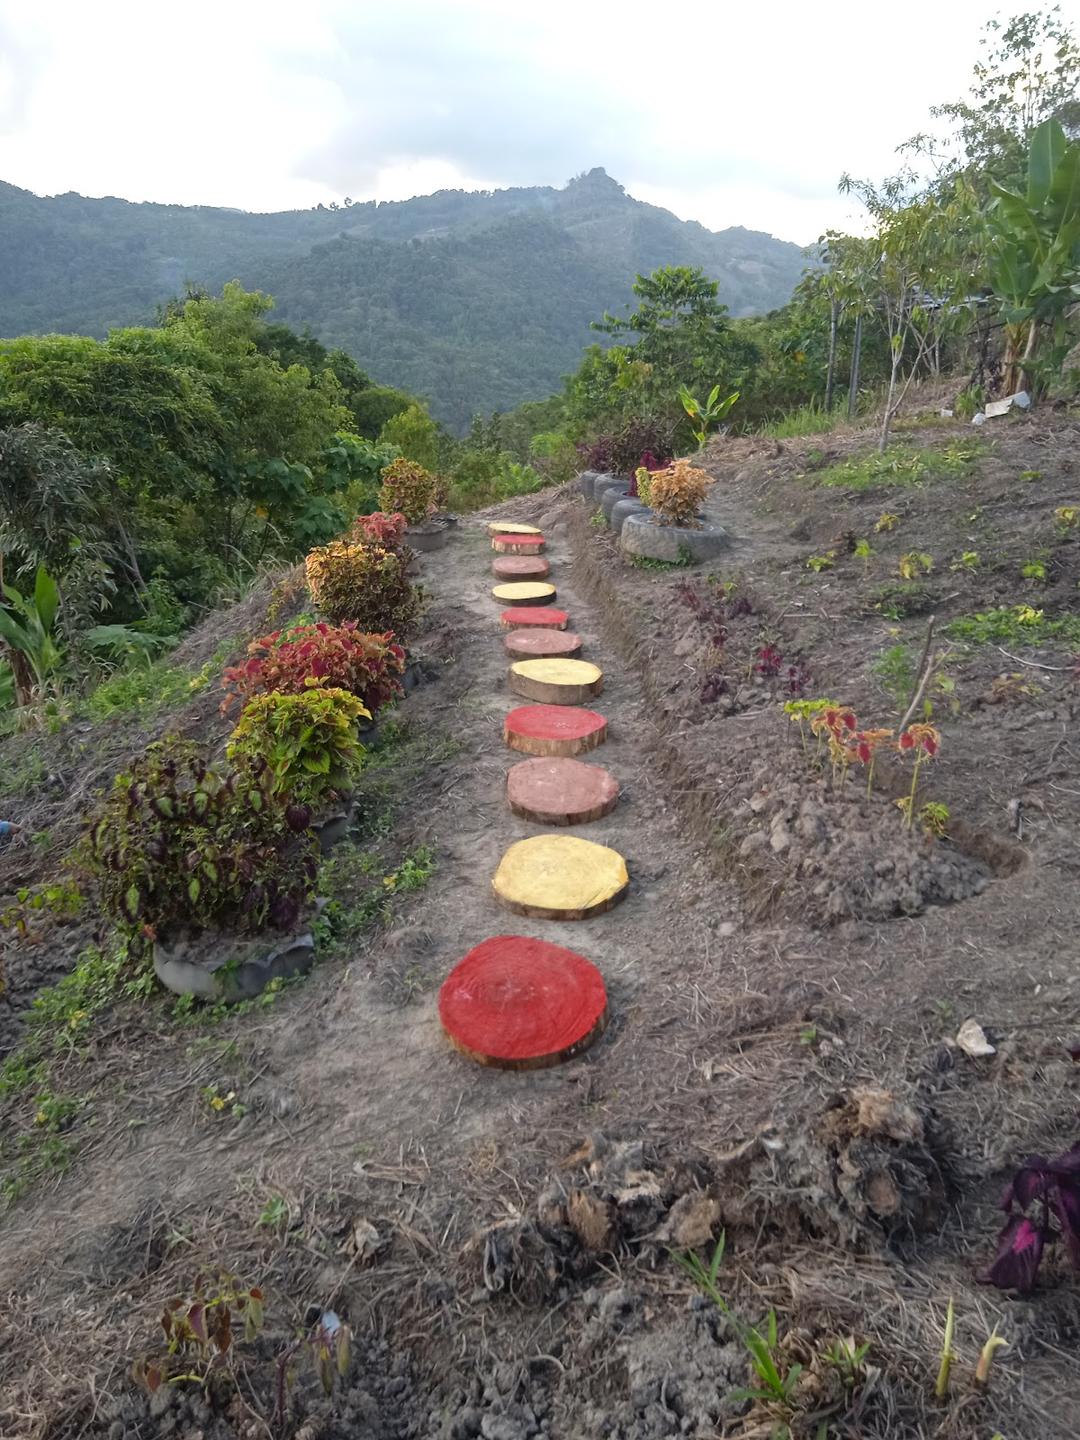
x: 1066, y: 1202
x: 1020, y: 1247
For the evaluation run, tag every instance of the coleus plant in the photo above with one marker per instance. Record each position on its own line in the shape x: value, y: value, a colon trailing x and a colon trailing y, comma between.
x: 364, y: 583
x: 410, y: 490
x: 309, y: 743
x: 339, y: 657
x: 382, y: 529
x: 1041, y: 1192
x: 202, y: 1327
x: 178, y: 844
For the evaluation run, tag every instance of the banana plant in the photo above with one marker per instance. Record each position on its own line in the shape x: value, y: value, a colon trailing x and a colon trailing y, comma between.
x: 703, y: 416
x: 28, y: 631
x: 1035, y: 248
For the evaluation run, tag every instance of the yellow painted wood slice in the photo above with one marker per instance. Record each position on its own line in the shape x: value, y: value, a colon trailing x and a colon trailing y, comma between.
x: 525, y: 592
x: 556, y: 681
x: 560, y: 877
x: 499, y: 527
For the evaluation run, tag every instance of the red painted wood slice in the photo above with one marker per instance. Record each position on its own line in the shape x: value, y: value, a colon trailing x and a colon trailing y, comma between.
x: 543, y: 615
x: 553, y: 730
x: 553, y: 790
x: 522, y: 1004
x: 538, y: 644
x: 520, y: 567
x: 517, y: 544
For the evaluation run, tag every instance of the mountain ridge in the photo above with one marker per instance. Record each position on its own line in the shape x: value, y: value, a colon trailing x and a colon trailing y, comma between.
x: 470, y: 298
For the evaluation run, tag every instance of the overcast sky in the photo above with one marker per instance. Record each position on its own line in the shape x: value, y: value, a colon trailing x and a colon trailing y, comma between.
x: 729, y: 115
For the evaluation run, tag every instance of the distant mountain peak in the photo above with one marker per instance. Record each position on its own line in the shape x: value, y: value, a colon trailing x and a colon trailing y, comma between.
x: 596, y: 179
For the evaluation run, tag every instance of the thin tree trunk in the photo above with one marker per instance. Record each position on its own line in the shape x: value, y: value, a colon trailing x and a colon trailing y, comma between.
x: 832, y: 356
x: 856, y: 355
x: 1024, y: 377
x: 886, y: 419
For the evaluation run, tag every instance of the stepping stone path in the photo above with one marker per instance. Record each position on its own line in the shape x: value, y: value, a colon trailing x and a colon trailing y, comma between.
x: 517, y: 544
x: 553, y: 730
x: 557, y: 791
x: 515, y: 1002
x: 541, y: 644
x: 520, y: 567
x: 560, y: 877
x: 525, y: 592
x: 539, y: 615
x: 556, y: 681
x: 522, y: 1004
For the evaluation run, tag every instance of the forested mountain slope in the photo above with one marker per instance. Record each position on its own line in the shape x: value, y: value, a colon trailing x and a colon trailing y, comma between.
x: 478, y: 300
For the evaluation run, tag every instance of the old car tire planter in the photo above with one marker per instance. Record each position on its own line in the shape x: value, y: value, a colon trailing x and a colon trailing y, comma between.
x: 628, y: 505
x: 644, y: 535
x: 586, y: 480
x: 235, y: 969
x: 612, y: 495
x: 603, y: 484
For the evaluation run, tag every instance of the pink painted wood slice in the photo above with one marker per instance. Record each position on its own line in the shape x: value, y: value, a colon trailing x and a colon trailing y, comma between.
x: 522, y: 1004
x: 543, y: 615
x: 553, y: 730
x: 554, y: 790
x: 539, y: 644
x: 520, y: 567
x: 517, y: 544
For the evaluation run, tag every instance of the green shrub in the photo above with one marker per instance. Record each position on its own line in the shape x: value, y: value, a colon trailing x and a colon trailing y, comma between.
x: 308, y: 741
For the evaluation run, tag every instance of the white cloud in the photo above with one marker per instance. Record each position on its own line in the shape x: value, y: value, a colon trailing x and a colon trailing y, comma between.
x: 729, y: 116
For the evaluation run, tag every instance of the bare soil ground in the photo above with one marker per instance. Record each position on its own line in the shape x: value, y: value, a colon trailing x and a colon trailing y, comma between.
x: 786, y: 978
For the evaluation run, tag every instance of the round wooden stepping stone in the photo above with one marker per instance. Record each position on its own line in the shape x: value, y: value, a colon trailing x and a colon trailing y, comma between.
x: 553, y: 730
x: 556, y: 791
x: 556, y: 681
x: 560, y: 877
x: 517, y: 544
x: 541, y: 615
x: 522, y: 1004
x: 506, y: 527
x: 536, y: 643
x: 520, y: 567
x: 525, y: 592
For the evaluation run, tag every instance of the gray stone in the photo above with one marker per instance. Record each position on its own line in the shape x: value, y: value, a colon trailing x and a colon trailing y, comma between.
x: 628, y: 505
x: 611, y: 494
x: 642, y: 535
x: 235, y: 969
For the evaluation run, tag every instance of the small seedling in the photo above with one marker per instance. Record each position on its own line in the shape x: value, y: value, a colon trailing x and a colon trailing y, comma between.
x: 220, y: 1104
x: 1066, y: 517
x: 941, y: 1388
x: 204, y: 1326
x: 847, y: 1358
x: 885, y: 522
x: 921, y: 742
x: 914, y: 564
x: 1030, y: 474
x: 863, y: 551
x: 934, y: 818
x: 969, y: 561
x: 818, y: 563
x: 993, y: 1343
x: 275, y: 1214
x: 1034, y: 570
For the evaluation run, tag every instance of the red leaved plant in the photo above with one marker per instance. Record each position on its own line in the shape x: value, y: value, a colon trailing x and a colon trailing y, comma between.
x: 323, y: 656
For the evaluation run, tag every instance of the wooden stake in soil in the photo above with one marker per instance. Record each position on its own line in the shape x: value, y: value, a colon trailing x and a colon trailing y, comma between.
x: 507, y: 527
x: 522, y: 1004
x: 553, y: 730
x: 540, y: 644
x: 520, y: 567
x: 525, y: 592
x: 557, y: 791
x: 560, y: 877
x: 517, y: 544
x: 542, y: 615
x: 556, y: 682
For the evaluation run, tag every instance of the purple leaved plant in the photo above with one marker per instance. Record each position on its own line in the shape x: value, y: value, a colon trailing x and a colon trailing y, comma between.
x: 1049, y: 1190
